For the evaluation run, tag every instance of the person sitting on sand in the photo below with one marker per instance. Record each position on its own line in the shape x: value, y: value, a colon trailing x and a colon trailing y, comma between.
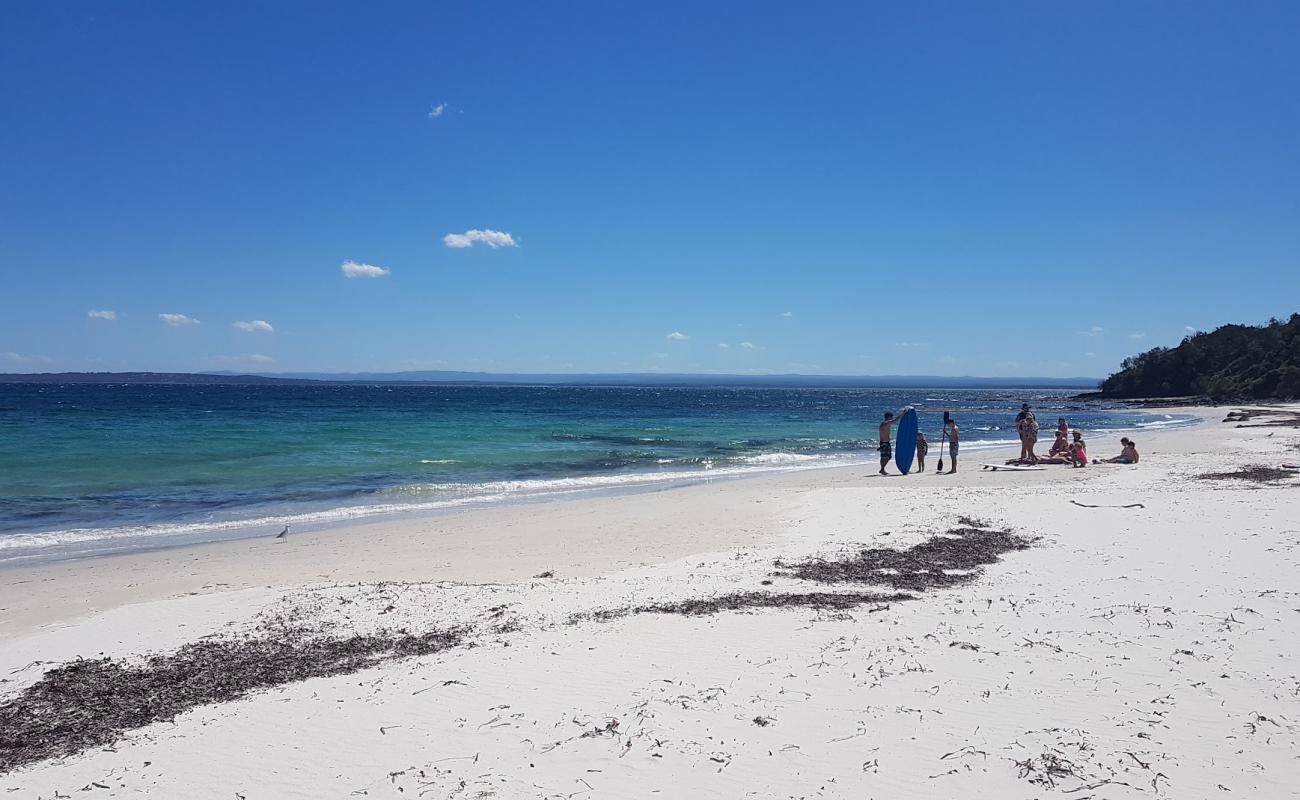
x: 922, y: 447
x: 886, y: 445
x: 1128, y: 455
x: 1062, y: 444
x: 1078, y: 451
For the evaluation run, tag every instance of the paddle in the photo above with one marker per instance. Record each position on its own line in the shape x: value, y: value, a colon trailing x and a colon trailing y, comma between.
x: 947, y: 416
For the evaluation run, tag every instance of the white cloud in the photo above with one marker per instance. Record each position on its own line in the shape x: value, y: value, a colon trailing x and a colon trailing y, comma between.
x: 30, y: 358
x: 177, y: 320
x: 491, y: 238
x: 1137, y: 336
x: 724, y: 345
x: 1090, y: 355
x: 911, y: 344
x: 747, y: 345
x: 254, y: 326
x: 352, y: 269
x: 677, y: 336
x: 108, y: 315
x: 247, y: 359
x: 788, y: 314
x: 1190, y: 329
x: 1095, y: 330
x: 437, y: 111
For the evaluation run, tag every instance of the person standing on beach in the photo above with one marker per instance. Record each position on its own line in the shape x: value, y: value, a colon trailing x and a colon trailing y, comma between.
x: 922, y: 447
x: 1020, y: 418
x: 1027, y: 427
x: 886, y: 445
x: 953, y: 435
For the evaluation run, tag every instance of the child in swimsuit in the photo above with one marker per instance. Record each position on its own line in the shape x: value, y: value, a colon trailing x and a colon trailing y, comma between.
x: 922, y: 447
x: 1079, y: 451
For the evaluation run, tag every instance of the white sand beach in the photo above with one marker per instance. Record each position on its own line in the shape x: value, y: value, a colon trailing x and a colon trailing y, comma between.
x: 1144, y: 651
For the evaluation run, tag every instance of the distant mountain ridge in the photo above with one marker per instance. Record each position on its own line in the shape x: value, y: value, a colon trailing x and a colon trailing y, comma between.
x: 559, y: 379
x: 1233, y: 362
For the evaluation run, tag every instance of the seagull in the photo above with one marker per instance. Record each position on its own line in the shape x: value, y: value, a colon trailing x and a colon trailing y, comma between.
x: 283, y: 535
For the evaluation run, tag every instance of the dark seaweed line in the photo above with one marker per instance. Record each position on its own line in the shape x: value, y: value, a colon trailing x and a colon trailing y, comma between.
x: 91, y: 703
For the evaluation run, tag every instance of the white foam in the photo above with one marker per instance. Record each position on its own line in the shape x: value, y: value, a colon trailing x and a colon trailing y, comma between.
x: 781, y: 458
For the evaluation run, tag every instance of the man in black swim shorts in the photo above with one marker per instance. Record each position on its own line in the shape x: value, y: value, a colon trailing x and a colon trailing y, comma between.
x: 886, y: 447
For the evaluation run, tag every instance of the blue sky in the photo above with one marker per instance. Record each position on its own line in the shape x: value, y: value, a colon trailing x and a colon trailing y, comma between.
x: 928, y: 188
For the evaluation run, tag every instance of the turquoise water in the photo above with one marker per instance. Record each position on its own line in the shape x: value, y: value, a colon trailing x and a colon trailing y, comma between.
x: 88, y: 464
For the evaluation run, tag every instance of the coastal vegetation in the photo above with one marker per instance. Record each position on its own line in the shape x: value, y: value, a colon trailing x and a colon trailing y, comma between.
x: 1234, y: 362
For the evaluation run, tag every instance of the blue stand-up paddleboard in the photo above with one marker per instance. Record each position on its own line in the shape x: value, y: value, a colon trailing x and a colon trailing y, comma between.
x: 905, y: 441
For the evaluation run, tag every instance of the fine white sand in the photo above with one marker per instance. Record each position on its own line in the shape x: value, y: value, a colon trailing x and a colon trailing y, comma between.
x: 1143, y: 652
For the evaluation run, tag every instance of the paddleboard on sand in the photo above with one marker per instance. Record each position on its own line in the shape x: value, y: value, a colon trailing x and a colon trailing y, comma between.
x: 905, y: 440
x: 1016, y: 467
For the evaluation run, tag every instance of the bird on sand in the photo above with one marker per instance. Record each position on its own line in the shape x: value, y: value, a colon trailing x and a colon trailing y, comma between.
x: 283, y: 535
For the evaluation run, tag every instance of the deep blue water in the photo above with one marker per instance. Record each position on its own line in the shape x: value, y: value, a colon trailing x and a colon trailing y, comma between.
x: 81, y: 463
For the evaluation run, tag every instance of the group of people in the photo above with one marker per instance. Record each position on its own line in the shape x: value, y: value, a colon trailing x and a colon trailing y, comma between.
x: 1068, y: 447
x: 951, y: 434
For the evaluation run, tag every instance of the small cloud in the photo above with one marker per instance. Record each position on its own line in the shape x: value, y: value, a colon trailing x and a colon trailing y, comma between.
x: 30, y: 358
x: 1090, y: 355
x: 177, y: 320
x: 352, y: 269
x: 437, y: 111
x: 491, y: 238
x: 1190, y: 329
x: 253, y: 359
x: 255, y: 326
x: 1095, y: 330
x: 787, y: 314
x: 911, y: 344
x: 1137, y: 336
x: 747, y: 345
x: 724, y: 345
x: 108, y: 315
x: 677, y: 336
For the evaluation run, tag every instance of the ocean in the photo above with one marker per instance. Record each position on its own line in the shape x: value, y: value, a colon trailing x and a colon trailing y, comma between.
x: 92, y: 468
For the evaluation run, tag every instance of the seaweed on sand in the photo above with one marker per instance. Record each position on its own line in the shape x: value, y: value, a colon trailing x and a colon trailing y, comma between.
x: 738, y: 601
x: 90, y: 703
x: 940, y: 562
x: 1259, y: 473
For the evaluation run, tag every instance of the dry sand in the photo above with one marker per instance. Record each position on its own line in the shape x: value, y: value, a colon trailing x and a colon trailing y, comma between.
x: 1131, y: 652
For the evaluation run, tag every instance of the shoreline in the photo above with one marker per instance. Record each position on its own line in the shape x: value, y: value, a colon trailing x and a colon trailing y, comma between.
x: 48, y: 547
x: 448, y: 544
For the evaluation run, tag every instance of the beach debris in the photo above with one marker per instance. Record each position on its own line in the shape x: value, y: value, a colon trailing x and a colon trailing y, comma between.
x: 740, y: 601
x: 943, y: 561
x: 1258, y: 473
x: 1090, y: 505
x: 92, y: 702
x: 547, y: 574
x: 1279, y: 418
